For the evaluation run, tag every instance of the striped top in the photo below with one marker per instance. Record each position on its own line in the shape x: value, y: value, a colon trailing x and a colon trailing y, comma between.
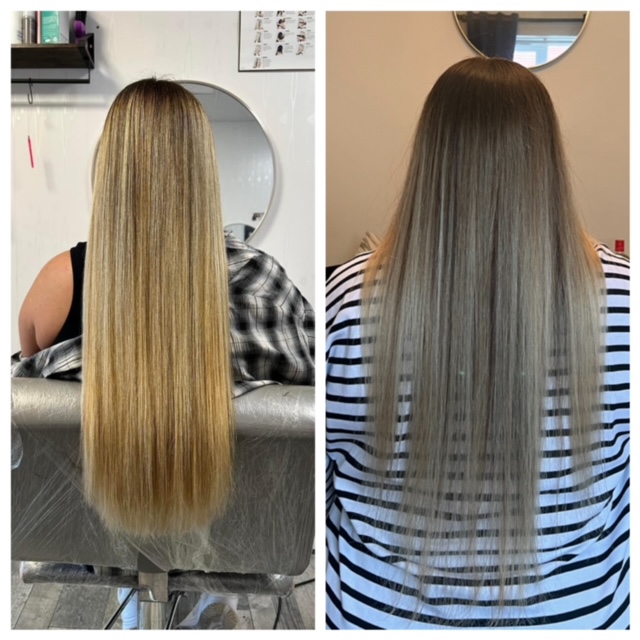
x: 584, y: 563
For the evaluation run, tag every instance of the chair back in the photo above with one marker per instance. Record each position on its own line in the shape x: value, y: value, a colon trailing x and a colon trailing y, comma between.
x: 268, y: 527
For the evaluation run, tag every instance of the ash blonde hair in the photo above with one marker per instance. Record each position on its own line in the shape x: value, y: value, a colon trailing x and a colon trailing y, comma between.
x: 157, y: 419
x: 482, y: 304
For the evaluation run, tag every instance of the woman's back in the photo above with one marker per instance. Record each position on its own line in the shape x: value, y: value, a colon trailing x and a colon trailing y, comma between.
x: 272, y: 325
x: 480, y: 365
x: 584, y: 559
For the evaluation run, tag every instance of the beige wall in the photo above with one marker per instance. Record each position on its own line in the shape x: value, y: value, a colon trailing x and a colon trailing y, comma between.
x: 380, y: 67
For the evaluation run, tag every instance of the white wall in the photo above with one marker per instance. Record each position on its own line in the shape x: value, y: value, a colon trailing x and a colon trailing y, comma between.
x: 51, y: 203
x: 380, y: 68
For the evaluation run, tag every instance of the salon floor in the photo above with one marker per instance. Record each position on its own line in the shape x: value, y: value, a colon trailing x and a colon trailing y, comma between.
x: 57, y: 606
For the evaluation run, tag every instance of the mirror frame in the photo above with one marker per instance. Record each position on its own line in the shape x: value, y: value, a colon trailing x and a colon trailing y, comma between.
x: 269, y: 143
x: 587, y: 14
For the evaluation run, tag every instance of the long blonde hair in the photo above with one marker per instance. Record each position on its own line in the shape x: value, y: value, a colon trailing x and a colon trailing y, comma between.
x: 157, y: 414
x: 482, y: 315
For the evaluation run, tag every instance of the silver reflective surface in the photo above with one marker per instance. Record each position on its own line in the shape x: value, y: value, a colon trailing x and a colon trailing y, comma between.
x: 531, y: 38
x: 267, y: 528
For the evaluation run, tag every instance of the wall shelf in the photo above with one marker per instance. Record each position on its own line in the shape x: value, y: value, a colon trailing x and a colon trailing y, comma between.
x: 76, y: 55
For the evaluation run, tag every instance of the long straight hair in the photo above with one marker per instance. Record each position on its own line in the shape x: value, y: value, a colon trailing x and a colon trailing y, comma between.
x: 483, y: 318
x: 157, y: 422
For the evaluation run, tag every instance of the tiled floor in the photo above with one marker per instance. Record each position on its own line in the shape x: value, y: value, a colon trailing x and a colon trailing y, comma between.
x: 56, y: 606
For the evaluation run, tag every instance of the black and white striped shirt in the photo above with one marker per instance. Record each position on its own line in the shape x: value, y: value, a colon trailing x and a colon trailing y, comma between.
x: 584, y: 564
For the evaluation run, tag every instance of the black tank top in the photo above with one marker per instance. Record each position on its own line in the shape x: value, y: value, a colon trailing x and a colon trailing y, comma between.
x: 72, y: 327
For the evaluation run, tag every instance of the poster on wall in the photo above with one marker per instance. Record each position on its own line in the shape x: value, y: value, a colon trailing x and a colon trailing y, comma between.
x: 277, y: 41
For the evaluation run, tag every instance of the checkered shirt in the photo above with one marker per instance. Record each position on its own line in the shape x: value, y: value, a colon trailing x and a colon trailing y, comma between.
x: 272, y: 329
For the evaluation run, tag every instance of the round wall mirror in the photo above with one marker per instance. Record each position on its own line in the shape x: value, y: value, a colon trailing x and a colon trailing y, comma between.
x: 246, y: 161
x: 531, y: 38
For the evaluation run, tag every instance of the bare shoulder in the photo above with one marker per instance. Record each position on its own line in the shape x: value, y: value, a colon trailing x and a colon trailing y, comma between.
x: 47, y: 305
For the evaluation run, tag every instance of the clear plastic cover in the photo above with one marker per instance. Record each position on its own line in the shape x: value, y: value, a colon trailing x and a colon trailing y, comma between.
x: 267, y: 528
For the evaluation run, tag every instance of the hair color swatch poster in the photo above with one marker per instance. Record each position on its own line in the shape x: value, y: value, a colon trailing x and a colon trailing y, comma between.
x: 277, y: 41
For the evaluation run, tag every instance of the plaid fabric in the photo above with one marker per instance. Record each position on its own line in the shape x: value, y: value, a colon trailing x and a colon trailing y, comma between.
x: 272, y: 329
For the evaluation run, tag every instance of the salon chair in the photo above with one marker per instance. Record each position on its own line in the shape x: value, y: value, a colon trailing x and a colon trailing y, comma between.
x: 264, y: 538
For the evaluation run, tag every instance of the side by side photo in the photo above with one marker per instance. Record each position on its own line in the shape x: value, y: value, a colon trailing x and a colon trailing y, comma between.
x: 335, y: 293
